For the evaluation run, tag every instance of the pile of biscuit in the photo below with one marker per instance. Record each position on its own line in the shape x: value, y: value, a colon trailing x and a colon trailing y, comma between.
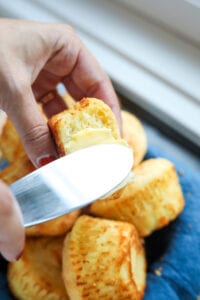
x: 98, y: 252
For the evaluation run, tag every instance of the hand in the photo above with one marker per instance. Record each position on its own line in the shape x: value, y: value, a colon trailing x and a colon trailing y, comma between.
x: 34, y: 58
x: 175, y: 273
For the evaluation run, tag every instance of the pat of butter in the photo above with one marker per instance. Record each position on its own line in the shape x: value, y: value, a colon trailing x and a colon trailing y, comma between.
x: 91, y: 136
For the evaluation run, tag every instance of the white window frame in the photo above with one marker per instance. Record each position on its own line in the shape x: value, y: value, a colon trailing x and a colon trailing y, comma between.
x: 180, y: 16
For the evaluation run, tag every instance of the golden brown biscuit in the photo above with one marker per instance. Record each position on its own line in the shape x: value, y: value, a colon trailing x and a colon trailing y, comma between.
x: 10, y: 142
x: 37, y: 274
x: 150, y: 202
x: 103, y: 259
x: 133, y: 132
x: 54, y: 227
x: 89, y: 122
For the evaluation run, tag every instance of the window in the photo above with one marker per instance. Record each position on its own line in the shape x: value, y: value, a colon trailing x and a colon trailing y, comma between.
x: 180, y: 16
x: 150, y: 49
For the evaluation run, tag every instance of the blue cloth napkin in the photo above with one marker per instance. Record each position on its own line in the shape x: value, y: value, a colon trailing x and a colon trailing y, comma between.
x: 174, y: 271
x: 173, y: 253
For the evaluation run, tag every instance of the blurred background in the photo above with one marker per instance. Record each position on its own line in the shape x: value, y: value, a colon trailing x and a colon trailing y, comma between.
x: 151, y: 51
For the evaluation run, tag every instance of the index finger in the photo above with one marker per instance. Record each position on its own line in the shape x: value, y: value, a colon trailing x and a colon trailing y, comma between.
x: 82, y: 74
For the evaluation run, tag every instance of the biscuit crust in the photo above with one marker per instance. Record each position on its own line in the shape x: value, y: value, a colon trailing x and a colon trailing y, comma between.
x: 37, y: 274
x: 55, y: 227
x: 153, y: 200
x: 103, y: 259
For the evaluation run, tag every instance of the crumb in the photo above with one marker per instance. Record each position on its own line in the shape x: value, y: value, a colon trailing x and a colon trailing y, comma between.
x: 188, y: 194
x: 198, y: 297
x: 181, y: 172
x: 190, y: 226
x: 158, y: 271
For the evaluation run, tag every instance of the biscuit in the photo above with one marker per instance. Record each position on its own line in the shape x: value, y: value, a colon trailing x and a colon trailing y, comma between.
x: 10, y: 142
x: 150, y: 202
x: 133, y: 132
x: 54, y: 227
x: 103, y: 259
x: 37, y: 274
x: 89, y: 122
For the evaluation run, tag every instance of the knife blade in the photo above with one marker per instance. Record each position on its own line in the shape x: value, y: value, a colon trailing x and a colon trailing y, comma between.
x: 72, y: 182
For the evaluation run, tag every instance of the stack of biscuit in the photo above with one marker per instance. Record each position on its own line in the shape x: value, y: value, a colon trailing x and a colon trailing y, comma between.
x: 97, y: 253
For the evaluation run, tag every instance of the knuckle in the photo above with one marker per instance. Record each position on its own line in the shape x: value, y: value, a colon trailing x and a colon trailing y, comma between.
x: 68, y: 33
x: 95, y: 87
x: 68, y: 28
x: 36, y: 134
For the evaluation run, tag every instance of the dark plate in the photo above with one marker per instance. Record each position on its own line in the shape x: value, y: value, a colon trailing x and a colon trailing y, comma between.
x: 4, y: 289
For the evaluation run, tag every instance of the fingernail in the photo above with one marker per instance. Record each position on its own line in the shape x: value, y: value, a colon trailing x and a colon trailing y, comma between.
x: 44, y: 159
x: 19, y: 255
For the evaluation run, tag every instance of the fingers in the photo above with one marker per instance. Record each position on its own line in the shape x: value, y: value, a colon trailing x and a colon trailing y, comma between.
x: 31, y: 125
x: 71, y: 63
x: 12, y: 234
x: 88, y: 79
x: 80, y: 71
x: 47, y: 54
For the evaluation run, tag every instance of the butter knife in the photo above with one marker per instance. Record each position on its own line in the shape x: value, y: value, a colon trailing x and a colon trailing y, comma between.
x: 72, y: 182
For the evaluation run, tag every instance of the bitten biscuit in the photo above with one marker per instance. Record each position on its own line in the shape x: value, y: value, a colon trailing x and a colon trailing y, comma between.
x: 153, y: 200
x: 133, y: 132
x: 37, y: 274
x: 103, y: 259
x: 89, y: 122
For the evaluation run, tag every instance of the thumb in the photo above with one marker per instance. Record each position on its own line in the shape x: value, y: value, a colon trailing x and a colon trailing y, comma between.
x: 11, y: 225
x: 31, y: 126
